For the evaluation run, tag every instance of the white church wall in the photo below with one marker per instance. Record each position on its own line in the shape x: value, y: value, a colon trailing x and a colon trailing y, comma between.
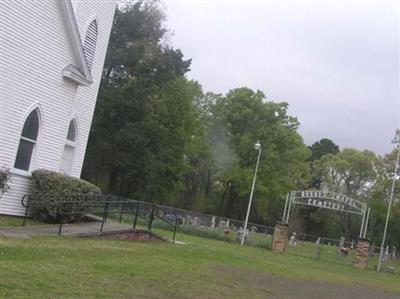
x: 34, y: 49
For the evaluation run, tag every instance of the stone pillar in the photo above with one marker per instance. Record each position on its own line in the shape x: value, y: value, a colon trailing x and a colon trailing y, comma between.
x: 361, y: 257
x: 280, y: 237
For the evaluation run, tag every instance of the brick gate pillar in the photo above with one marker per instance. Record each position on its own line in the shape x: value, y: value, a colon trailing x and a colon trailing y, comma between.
x: 360, y: 260
x: 280, y: 237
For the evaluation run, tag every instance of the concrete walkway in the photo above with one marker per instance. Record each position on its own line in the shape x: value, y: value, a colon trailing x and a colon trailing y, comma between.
x: 71, y: 229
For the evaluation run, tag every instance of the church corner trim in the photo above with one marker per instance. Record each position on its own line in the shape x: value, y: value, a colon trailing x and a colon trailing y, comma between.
x: 78, y: 73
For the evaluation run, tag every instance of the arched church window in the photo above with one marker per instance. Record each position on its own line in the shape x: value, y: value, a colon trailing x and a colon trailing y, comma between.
x: 69, y: 149
x: 27, y: 141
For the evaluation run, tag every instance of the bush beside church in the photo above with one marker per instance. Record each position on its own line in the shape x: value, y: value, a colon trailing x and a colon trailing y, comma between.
x: 51, y: 186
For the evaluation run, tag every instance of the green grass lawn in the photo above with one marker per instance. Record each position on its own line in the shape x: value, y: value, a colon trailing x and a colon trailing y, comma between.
x: 16, y: 221
x: 63, y: 267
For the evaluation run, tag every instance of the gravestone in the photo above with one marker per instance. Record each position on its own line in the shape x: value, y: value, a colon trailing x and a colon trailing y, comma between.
x: 372, y: 250
x: 222, y: 224
x: 342, y: 242
x: 195, y: 221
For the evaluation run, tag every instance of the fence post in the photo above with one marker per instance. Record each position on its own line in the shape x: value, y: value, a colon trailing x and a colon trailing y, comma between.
x: 26, y: 211
x: 136, y: 214
x: 104, y: 216
x: 319, y: 248
x: 61, y: 218
x: 176, y: 226
x: 122, y: 210
x: 149, y: 224
x: 302, y: 243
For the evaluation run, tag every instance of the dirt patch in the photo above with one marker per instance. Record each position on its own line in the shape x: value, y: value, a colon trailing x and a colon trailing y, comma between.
x: 130, y: 235
x: 284, y: 288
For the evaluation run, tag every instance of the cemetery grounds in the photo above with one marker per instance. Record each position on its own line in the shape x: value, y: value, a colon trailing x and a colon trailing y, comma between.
x: 196, y: 267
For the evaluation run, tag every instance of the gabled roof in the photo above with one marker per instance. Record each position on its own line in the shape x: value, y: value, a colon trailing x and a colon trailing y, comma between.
x: 78, y: 72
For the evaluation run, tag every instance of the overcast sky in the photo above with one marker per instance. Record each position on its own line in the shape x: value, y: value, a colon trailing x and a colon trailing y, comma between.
x: 337, y: 65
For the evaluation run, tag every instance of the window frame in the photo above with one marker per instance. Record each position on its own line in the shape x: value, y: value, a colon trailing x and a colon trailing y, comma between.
x: 28, y: 173
x: 72, y: 144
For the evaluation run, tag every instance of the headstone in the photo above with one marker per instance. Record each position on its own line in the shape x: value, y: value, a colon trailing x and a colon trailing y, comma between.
x: 183, y: 219
x: 372, y: 250
x: 361, y: 256
x: 341, y: 242
x: 239, y: 234
x: 387, y: 251
x: 222, y: 224
x: 280, y: 237
x: 213, y: 221
x: 293, y: 240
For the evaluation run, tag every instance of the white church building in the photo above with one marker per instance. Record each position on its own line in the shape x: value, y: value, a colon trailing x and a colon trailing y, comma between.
x: 51, y: 59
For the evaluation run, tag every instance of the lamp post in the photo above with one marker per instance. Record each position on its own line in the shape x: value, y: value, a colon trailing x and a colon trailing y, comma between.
x: 396, y: 140
x: 257, y: 146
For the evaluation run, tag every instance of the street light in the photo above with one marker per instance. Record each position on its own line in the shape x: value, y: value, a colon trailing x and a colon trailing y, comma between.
x: 396, y: 140
x: 257, y: 147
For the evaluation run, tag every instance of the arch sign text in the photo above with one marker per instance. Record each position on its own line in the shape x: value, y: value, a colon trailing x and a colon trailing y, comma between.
x: 328, y: 200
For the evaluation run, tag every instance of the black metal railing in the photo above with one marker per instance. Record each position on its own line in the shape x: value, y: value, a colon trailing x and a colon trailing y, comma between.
x: 63, y: 207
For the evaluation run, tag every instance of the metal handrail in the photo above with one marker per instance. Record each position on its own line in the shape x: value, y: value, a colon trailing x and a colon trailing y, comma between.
x: 66, y: 203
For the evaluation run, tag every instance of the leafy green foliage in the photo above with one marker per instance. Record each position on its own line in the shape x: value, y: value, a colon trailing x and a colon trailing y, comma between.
x: 323, y: 147
x: 5, y: 178
x: 379, y: 198
x: 145, y: 114
x: 45, y: 182
x: 350, y: 172
x: 319, y: 149
x: 361, y: 175
x: 242, y: 117
x: 54, y: 183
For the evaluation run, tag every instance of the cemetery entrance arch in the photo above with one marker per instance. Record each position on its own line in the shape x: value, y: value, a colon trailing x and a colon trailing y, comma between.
x: 328, y: 200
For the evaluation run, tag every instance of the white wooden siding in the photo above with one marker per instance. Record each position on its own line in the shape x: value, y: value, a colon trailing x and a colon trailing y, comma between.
x: 34, y: 49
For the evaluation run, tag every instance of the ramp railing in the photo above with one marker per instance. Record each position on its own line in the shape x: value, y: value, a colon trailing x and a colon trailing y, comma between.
x: 68, y: 208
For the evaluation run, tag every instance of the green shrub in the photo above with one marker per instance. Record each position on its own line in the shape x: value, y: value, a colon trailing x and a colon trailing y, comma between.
x: 5, y: 179
x: 46, y: 188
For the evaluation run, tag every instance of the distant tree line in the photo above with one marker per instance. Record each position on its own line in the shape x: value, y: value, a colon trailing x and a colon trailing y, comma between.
x: 156, y: 136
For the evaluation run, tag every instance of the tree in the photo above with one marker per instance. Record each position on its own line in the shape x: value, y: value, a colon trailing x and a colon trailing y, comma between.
x: 145, y: 114
x: 350, y: 172
x: 239, y: 119
x: 137, y: 49
x: 323, y: 147
x: 318, y: 150
x: 379, y: 199
x: 198, y: 190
